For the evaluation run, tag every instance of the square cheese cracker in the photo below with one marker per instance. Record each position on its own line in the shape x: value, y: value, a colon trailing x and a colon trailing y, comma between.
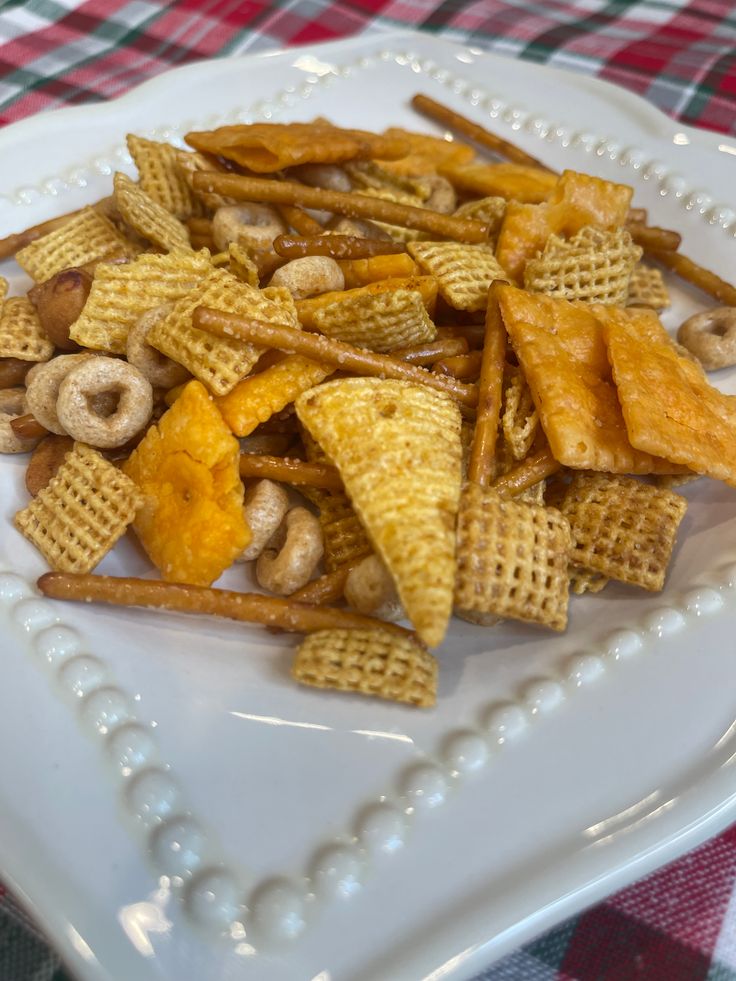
x: 668, y: 404
x: 560, y: 347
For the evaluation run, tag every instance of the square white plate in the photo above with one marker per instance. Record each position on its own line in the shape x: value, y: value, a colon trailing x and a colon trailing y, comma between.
x: 172, y: 806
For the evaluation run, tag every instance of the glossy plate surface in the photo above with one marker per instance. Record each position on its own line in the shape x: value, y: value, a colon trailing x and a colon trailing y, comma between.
x: 173, y: 807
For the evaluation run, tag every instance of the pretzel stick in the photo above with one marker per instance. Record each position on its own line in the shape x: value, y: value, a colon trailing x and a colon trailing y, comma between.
x: 691, y: 272
x: 453, y: 120
x: 461, y: 366
x: 18, y: 240
x: 431, y: 351
x: 300, y: 221
x: 272, y: 611
x: 317, y: 347
x: 637, y: 215
x: 13, y: 371
x: 661, y: 239
x: 490, y: 388
x: 339, y: 202
x: 199, y: 226
x: 528, y: 473
x: 27, y: 427
x: 328, y: 588
x: 290, y: 471
x: 335, y: 246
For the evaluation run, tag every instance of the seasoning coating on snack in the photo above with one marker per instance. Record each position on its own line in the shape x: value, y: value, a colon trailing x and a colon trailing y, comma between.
x: 397, y: 448
x: 512, y: 559
x: 85, y: 508
x: 191, y: 523
x: 371, y: 662
x: 147, y: 217
x: 622, y: 528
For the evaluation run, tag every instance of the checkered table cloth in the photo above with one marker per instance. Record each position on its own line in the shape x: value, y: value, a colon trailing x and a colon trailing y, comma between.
x: 679, y: 924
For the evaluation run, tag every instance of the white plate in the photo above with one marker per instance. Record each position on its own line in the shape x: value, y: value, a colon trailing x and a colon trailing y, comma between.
x: 390, y: 843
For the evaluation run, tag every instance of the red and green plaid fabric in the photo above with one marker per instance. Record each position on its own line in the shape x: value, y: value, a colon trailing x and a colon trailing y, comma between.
x: 679, y: 924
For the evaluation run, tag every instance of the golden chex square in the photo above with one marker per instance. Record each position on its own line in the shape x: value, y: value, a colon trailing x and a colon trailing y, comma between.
x: 122, y: 293
x: 148, y: 218
x: 76, y: 519
x: 512, y: 559
x: 85, y: 237
x: 371, y: 662
x: 220, y: 362
x: 378, y: 321
x: 622, y: 528
x: 21, y: 334
x: 160, y: 176
x: 464, y: 272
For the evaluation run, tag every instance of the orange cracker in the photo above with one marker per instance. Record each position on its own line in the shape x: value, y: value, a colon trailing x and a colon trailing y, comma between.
x: 560, y: 347
x: 667, y: 402
x: 256, y: 398
x: 577, y: 200
x: 514, y: 182
x: 191, y: 524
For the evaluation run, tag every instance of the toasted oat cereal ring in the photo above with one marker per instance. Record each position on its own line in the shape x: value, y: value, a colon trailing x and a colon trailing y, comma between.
x: 309, y: 276
x: 12, y: 406
x: 160, y: 371
x: 711, y: 337
x: 85, y: 383
x: 256, y: 225
x: 42, y: 389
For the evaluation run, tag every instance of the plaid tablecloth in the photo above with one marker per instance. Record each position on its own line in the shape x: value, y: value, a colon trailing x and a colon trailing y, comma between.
x: 679, y: 924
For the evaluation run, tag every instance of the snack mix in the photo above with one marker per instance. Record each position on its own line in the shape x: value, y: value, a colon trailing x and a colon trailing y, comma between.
x: 402, y: 378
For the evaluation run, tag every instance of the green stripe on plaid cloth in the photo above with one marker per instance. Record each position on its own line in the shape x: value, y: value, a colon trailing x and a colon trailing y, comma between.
x: 681, y: 56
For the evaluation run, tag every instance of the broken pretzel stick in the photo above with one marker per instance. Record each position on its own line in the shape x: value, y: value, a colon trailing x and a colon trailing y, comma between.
x: 272, y: 611
x: 342, y: 203
x: 489, y: 141
x: 490, y: 390
x: 661, y: 239
x: 334, y: 246
x: 328, y: 588
x: 691, y: 272
x: 317, y: 347
x: 290, y: 471
x: 431, y: 351
x: 300, y: 221
x: 462, y: 366
x: 528, y: 473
